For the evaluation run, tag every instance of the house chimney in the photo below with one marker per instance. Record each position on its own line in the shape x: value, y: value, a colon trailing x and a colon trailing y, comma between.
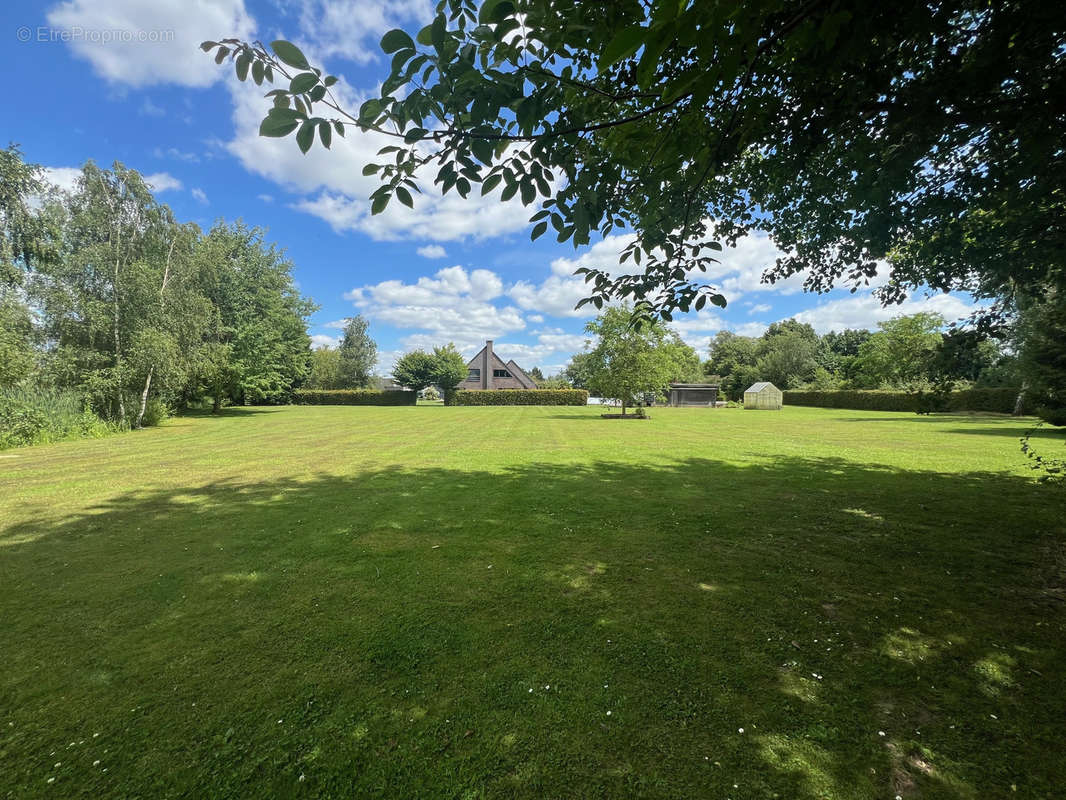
x: 486, y: 373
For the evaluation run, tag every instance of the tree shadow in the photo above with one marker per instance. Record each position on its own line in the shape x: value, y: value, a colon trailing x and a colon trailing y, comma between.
x: 402, y: 632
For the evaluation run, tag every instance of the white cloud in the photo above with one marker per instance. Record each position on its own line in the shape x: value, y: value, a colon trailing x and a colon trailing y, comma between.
x: 150, y: 109
x: 65, y: 178
x: 537, y: 318
x: 432, y: 251
x: 454, y: 305
x: 266, y: 198
x: 761, y: 308
x: 320, y: 341
x: 199, y: 195
x: 176, y: 154
x: 352, y: 29
x: 865, y: 311
x: 139, y: 44
x: 335, y: 190
x: 162, y: 182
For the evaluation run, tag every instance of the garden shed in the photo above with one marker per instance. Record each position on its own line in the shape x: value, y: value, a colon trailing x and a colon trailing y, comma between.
x: 693, y: 394
x: 763, y: 395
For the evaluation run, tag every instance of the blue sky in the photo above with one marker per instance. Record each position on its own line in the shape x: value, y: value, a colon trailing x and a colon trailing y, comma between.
x: 124, y: 80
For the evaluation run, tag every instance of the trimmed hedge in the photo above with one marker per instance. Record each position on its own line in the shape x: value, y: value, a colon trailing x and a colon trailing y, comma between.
x: 997, y: 400
x: 520, y: 397
x: 352, y: 397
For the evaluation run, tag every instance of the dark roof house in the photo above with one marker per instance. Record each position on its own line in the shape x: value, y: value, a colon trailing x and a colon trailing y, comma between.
x: 487, y: 370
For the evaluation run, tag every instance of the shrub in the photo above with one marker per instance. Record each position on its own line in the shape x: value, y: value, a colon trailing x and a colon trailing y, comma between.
x: 35, y: 415
x: 1052, y: 416
x: 352, y: 397
x: 520, y: 397
x: 155, y: 411
x: 997, y: 400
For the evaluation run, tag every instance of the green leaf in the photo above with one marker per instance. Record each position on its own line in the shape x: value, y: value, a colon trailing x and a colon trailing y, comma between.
x: 303, y: 82
x: 317, y: 93
x: 379, y: 204
x: 207, y: 47
x: 329, y: 80
x: 257, y: 72
x: 538, y: 230
x: 414, y: 134
x: 325, y: 133
x: 243, y: 62
x: 289, y: 54
x: 625, y: 43
x: 404, y: 197
x: 509, y: 191
x: 305, y: 137
x: 490, y: 183
x: 425, y: 36
x: 276, y: 126
x: 396, y: 40
x: 370, y: 111
x: 371, y: 169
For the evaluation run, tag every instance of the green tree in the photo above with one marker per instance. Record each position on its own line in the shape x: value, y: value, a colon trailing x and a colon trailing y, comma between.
x: 627, y: 360
x: 259, y: 317
x: 732, y: 359
x: 16, y: 340
x: 325, y: 370
x: 100, y: 301
x: 415, y: 370
x: 576, y: 372
x: 902, y: 352
x: 449, y: 368
x: 358, y: 354
x: 1041, y: 339
x: 934, y: 148
x: 537, y: 375
x: 22, y: 239
x: 787, y: 359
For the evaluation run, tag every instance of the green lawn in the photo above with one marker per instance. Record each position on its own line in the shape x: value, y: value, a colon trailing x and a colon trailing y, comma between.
x: 534, y: 602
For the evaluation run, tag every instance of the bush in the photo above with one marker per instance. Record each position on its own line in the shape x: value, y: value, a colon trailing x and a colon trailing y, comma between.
x: 155, y: 411
x: 999, y: 400
x: 352, y: 397
x: 520, y: 397
x: 1052, y: 416
x: 34, y: 415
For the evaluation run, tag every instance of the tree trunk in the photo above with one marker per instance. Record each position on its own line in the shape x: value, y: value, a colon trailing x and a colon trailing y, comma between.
x: 144, y: 397
x: 162, y: 308
x: 217, y: 406
x: 1019, y: 402
x: 118, y: 347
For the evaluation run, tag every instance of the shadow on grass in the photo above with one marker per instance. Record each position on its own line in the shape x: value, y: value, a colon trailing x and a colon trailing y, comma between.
x: 438, y: 632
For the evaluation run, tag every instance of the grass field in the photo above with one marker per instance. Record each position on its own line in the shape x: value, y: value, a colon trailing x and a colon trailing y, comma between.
x: 533, y: 602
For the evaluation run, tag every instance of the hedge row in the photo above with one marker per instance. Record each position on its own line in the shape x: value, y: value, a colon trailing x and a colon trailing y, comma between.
x: 520, y: 397
x: 352, y: 397
x: 998, y: 400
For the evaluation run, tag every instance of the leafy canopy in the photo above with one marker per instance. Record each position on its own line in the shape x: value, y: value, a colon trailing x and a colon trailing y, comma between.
x: 927, y: 134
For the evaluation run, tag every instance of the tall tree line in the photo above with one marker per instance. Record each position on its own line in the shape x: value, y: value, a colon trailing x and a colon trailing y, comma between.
x: 106, y: 293
x: 910, y: 352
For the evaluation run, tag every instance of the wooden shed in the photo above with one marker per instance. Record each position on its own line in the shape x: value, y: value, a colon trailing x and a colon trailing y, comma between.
x: 763, y: 395
x: 702, y: 395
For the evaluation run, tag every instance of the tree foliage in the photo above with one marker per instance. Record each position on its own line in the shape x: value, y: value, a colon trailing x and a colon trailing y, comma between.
x: 627, y: 361
x: 444, y: 367
x: 358, y: 354
x: 927, y: 135
x: 133, y: 310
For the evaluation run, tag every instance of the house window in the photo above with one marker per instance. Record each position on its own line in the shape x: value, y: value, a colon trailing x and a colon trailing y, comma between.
x: 473, y: 375
x: 501, y: 373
